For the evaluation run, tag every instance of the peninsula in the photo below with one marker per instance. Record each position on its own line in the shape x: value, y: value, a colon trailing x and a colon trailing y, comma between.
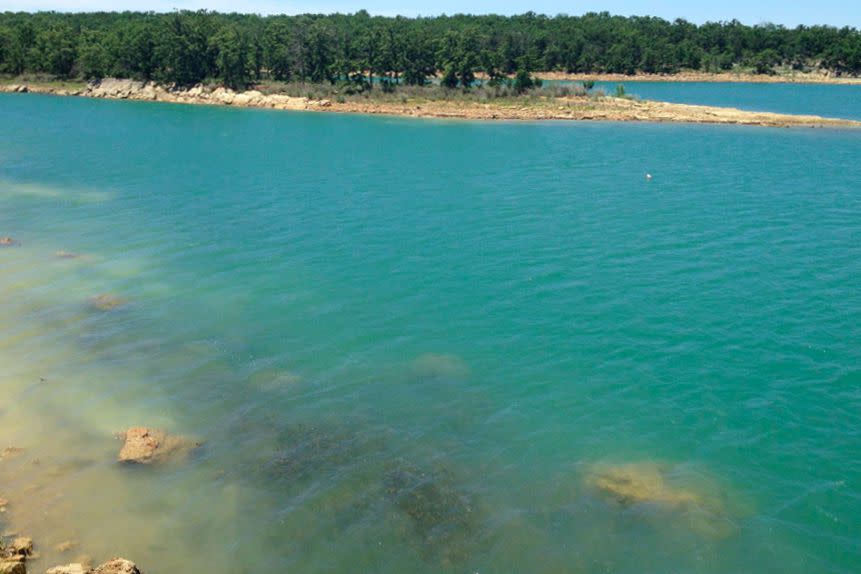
x: 425, y: 103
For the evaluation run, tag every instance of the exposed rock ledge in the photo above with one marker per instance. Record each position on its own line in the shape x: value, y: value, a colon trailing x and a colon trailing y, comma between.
x: 119, y: 89
x: 570, y: 108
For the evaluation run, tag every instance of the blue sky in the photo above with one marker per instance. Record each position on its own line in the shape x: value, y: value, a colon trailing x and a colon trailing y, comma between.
x: 787, y: 12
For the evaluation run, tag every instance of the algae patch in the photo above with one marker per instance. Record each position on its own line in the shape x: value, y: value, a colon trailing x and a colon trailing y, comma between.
x: 442, y: 516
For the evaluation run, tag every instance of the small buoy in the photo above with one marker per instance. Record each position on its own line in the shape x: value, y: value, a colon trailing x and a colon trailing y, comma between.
x: 649, y: 176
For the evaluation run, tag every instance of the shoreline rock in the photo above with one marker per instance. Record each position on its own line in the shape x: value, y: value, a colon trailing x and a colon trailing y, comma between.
x: 112, y: 566
x: 14, y: 555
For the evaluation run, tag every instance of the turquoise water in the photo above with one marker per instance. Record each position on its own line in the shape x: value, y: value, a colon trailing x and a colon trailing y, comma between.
x: 419, y: 345
x: 835, y: 101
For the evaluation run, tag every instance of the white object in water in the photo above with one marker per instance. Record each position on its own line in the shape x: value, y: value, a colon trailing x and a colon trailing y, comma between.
x: 649, y: 176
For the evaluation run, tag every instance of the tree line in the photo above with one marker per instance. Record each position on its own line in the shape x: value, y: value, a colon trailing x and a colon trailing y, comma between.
x: 239, y: 49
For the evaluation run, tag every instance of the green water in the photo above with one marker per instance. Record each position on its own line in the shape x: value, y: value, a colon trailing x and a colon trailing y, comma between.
x: 411, y: 346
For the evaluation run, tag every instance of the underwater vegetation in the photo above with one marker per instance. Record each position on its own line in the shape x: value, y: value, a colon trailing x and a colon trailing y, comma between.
x: 442, y: 516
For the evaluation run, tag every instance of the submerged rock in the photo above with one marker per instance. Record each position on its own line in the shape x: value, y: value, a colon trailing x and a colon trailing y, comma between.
x: 8, y: 242
x: 11, y: 452
x: 273, y: 380
x: 640, y: 482
x: 66, y: 255
x: 441, y: 515
x: 145, y: 446
x: 106, y: 302
x: 65, y: 546
x: 432, y: 365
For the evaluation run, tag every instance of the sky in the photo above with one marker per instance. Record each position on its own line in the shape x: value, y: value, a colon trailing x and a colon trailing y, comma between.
x: 786, y: 12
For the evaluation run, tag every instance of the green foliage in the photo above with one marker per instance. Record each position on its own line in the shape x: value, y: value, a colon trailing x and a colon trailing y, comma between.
x: 765, y: 61
x: 523, y: 81
x: 588, y: 85
x: 232, y: 57
x: 93, y: 56
x: 237, y: 49
x: 449, y: 78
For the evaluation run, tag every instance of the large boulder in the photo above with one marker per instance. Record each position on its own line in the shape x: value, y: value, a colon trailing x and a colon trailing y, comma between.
x: 106, y: 302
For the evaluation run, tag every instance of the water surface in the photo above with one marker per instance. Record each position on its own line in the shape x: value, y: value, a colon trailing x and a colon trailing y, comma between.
x: 409, y: 344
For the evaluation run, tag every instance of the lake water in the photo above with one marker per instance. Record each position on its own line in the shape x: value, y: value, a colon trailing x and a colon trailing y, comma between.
x: 835, y: 101
x: 429, y: 346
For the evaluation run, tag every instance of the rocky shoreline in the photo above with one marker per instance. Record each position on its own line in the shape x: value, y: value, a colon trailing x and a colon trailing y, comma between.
x: 579, y: 108
x: 141, y: 445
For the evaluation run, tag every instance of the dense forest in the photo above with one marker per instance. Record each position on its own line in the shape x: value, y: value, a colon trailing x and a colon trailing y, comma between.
x: 236, y: 49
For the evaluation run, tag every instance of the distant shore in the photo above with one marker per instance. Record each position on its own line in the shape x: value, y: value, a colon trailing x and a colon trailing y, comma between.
x: 732, y: 77
x: 582, y: 108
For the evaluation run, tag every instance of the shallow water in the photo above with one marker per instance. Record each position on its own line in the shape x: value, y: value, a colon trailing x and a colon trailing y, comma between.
x: 831, y: 101
x: 414, y: 345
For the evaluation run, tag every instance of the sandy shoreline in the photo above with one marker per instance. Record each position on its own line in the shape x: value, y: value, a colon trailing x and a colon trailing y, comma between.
x: 537, y: 108
x: 731, y: 77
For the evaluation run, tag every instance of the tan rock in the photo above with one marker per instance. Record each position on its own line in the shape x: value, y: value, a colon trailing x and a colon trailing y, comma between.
x: 141, y: 445
x: 638, y: 483
x: 11, y: 452
x: 67, y: 569
x: 8, y: 567
x: 144, y: 446
x: 117, y: 566
x: 7, y: 242
x: 21, y: 546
